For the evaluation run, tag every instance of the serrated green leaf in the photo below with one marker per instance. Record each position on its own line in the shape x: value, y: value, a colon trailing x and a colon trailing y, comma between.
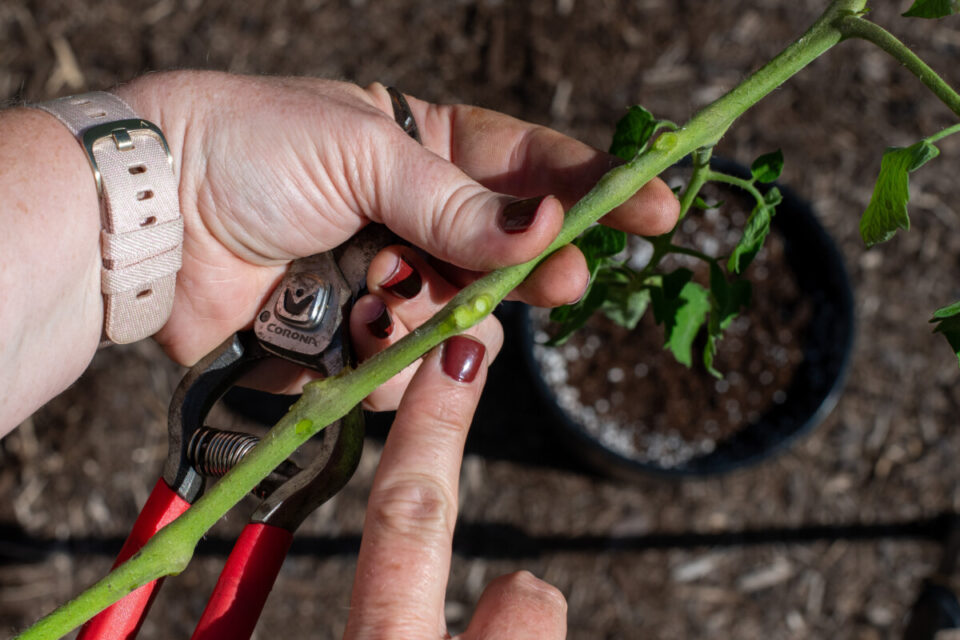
x: 674, y: 282
x: 767, y: 167
x: 887, y: 210
x: 728, y: 297
x: 950, y: 328
x: 755, y: 232
x: 634, y: 131
x: 625, y: 307
x: 559, y: 315
x: 577, y: 315
x: 597, y: 244
x: 947, y: 311
x: 681, y: 330
x: 614, y: 274
x: 709, y: 353
x: 726, y: 300
x: 600, y: 242
x: 665, y: 298
x: 933, y: 9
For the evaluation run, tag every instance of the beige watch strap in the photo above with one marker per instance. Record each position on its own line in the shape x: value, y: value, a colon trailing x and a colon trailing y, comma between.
x: 142, y: 229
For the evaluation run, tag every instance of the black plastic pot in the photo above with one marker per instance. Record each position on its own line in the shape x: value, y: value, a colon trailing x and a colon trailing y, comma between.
x: 815, y: 387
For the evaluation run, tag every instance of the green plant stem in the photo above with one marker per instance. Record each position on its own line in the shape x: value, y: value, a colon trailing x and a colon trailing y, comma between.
x: 857, y: 27
x: 701, y: 166
x: 949, y: 131
x: 326, y: 401
x: 746, y: 185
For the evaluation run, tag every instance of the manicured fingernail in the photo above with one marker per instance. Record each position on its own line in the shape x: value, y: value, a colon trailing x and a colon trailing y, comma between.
x: 462, y: 357
x: 519, y: 215
x: 382, y: 324
x: 404, y: 282
x: 582, y: 293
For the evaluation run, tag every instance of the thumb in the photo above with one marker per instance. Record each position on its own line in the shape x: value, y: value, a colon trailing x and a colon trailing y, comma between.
x: 519, y: 606
x: 432, y: 203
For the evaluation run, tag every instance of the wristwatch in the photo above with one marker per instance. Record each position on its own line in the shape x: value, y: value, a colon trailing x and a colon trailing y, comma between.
x: 141, y: 237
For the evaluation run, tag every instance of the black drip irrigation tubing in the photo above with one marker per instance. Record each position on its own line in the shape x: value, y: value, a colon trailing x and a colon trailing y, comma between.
x: 501, y: 541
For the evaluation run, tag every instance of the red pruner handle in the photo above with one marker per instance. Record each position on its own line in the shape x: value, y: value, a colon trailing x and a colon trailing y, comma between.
x: 122, y: 620
x: 244, y: 584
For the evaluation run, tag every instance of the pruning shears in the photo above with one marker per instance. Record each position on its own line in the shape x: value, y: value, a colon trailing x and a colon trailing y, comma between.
x: 304, y: 321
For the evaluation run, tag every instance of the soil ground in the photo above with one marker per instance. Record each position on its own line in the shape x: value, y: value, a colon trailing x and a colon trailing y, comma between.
x: 797, y: 547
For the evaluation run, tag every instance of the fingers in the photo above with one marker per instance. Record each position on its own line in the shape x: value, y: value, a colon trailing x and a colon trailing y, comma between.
x: 438, y: 207
x: 516, y: 157
x: 405, y: 292
x: 405, y: 551
x: 520, y: 607
x: 560, y: 279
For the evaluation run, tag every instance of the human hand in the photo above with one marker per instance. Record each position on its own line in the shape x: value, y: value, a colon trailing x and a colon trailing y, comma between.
x: 404, y: 560
x: 272, y: 169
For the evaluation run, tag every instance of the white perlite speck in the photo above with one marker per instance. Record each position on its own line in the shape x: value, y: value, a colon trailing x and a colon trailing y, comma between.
x: 632, y: 440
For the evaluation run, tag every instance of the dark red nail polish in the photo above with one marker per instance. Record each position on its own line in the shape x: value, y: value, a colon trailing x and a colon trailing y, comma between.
x: 382, y: 325
x: 462, y: 357
x: 404, y: 282
x: 519, y: 215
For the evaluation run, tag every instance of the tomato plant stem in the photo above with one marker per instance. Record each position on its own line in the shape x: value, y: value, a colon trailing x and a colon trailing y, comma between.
x: 856, y: 27
x: 701, y: 167
x: 949, y: 131
x: 746, y: 185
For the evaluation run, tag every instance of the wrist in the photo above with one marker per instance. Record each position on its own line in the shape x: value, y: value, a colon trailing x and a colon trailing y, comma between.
x: 50, y: 273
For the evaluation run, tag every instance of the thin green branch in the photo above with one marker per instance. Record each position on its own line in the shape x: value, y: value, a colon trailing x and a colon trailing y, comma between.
x: 857, y: 27
x: 701, y: 165
x: 949, y: 131
x: 326, y: 401
x: 746, y: 185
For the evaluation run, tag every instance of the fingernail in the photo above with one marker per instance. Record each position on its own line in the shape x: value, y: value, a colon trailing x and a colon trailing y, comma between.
x: 582, y: 294
x: 462, y: 357
x: 519, y: 215
x: 382, y: 324
x: 404, y: 282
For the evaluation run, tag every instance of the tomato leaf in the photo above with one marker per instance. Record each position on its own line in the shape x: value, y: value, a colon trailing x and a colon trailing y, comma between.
x: 727, y: 297
x: 700, y: 203
x: 681, y: 306
x: 767, y: 167
x: 755, y: 232
x: 634, y: 131
x: 948, y: 323
x: 950, y: 328
x: 947, y: 312
x: 887, y: 210
x: 691, y: 312
x: 601, y: 242
x: 933, y: 9
x: 665, y: 298
x: 726, y: 300
x: 572, y: 317
x: 598, y: 244
x: 626, y: 306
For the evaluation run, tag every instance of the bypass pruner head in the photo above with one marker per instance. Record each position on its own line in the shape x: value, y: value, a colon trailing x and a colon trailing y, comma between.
x: 306, y: 321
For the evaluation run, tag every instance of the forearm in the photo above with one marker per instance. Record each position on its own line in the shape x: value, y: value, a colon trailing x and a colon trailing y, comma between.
x: 50, y: 303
